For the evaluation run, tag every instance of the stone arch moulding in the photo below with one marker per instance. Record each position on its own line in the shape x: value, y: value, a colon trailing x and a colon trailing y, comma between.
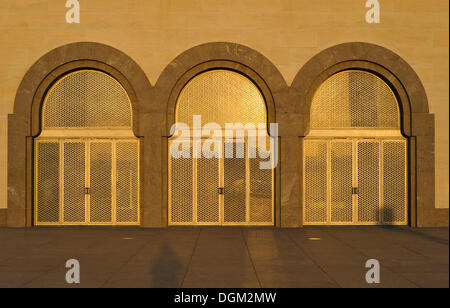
x: 24, y: 123
x: 217, y: 55
x: 416, y: 122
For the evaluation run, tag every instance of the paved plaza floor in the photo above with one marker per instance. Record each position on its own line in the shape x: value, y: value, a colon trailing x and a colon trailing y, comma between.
x: 224, y: 257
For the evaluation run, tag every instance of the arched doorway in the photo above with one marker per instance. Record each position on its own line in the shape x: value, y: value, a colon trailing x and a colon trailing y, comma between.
x: 355, y: 156
x: 215, y: 173
x: 86, y: 156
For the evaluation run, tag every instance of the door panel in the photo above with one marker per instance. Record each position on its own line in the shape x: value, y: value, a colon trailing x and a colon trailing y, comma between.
x: 360, y: 181
x: 394, y: 182
x: 261, y: 181
x: 181, y: 188
x: 235, y: 183
x: 341, y: 200
x: 368, y: 181
x: 214, y: 191
x: 74, y: 200
x: 127, y: 182
x: 75, y: 184
x: 207, y: 190
x: 315, y: 182
x: 100, y: 204
x: 47, y: 183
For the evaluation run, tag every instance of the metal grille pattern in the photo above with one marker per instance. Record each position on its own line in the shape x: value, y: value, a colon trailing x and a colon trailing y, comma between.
x: 181, y: 189
x: 221, y: 96
x: 261, y: 181
x: 355, y: 181
x: 100, y: 182
x: 207, y: 185
x: 216, y: 191
x: 235, y: 206
x: 341, y: 181
x: 74, y: 182
x: 315, y: 186
x: 87, y: 98
x: 47, y: 182
x: 127, y: 181
x: 355, y: 99
x: 394, y: 182
x: 82, y: 187
x: 368, y: 181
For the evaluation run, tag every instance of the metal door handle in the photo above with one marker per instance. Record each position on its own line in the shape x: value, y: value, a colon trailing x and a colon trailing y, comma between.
x: 221, y: 191
x: 87, y: 190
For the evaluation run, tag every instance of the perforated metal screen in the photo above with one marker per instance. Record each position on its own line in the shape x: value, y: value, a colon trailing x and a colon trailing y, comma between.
x: 368, y: 153
x: 74, y: 197
x: 208, y: 182
x: 220, y: 191
x: 315, y: 181
x: 221, y: 96
x: 353, y: 172
x: 341, y: 181
x: 127, y: 181
x: 86, y: 182
x: 394, y: 181
x: 354, y: 99
x: 48, y: 190
x: 86, y: 99
x: 355, y: 181
x: 261, y: 192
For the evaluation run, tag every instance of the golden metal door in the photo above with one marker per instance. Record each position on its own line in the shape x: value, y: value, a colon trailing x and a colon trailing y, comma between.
x: 100, y: 182
x: 85, y: 181
x: 341, y: 182
x: 235, y: 185
x: 394, y: 182
x: 220, y: 191
x: 355, y: 181
x: 368, y: 177
x: 47, y: 183
x: 127, y: 181
x: 74, y: 182
x: 315, y: 182
x: 208, y: 182
x: 261, y: 196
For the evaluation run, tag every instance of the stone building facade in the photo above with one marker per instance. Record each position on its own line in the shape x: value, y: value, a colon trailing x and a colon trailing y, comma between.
x: 288, y: 49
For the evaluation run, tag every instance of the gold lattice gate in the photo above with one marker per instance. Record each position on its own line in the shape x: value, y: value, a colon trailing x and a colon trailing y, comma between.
x: 220, y: 191
x: 355, y: 181
x: 86, y: 182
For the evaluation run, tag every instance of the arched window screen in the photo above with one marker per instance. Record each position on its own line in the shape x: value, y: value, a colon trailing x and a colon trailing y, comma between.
x: 354, y: 99
x: 87, y: 99
x: 221, y: 96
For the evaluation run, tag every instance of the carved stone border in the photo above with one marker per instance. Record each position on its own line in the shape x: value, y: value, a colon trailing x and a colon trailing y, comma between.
x: 24, y: 123
x: 417, y: 122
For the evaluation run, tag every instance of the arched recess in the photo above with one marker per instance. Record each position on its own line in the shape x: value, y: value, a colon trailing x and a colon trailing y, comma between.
x: 206, y: 57
x: 218, y: 180
x: 25, y: 123
x: 417, y: 124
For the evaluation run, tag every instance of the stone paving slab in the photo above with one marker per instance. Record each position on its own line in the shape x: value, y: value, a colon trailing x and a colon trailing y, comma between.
x: 325, y: 257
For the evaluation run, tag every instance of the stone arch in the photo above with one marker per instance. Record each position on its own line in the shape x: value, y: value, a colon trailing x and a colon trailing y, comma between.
x: 217, y: 55
x: 24, y: 123
x: 417, y: 123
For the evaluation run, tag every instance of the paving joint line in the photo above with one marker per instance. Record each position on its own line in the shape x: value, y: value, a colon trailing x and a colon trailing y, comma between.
x: 251, y: 259
x: 191, y: 258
